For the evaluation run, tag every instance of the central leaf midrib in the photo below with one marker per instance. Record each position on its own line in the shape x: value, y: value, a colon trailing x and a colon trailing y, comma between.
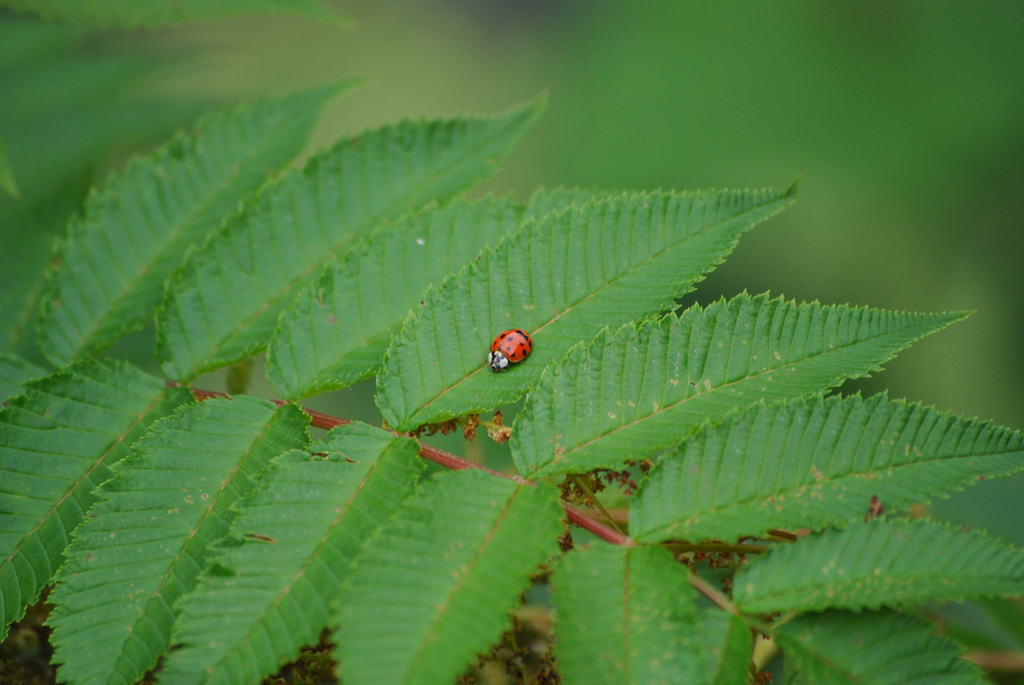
x: 832, y: 666
x: 302, y: 573
x: 77, y: 482
x: 632, y: 269
x: 439, y: 614
x: 331, y: 253
x: 715, y: 389
x: 157, y: 593
x: 814, y: 590
x: 670, y: 527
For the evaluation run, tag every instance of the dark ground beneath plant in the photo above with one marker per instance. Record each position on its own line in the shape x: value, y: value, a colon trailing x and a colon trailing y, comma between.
x: 523, y: 656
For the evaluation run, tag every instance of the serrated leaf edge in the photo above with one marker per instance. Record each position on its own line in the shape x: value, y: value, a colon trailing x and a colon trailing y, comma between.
x: 598, y: 340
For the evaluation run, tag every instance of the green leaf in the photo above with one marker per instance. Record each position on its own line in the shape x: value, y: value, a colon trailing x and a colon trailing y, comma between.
x: 137, y: 225
x: 282, y: 239
x: 626, y: 615
x: 814, y: 463
x: 635, y: 390
x: 727, y: 645
x: 877, y: 647
x: 58, y: 439
x: 337, y: 331
x: 15, y: 372
x: 131, y: 14
x: 294, y: 544
x: 434, y: 588
x: 879, y: 563
x: 561, y: 279
x: 145, y: 541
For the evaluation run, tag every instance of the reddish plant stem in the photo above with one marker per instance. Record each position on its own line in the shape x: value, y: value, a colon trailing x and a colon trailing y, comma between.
x: 577, y: 517
x: 1008, y: 661
x: 448, y: 460
x: 602, y: 531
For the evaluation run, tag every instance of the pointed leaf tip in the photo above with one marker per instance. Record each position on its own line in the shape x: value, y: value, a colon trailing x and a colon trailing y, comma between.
x: 345, y: 85
x: 793, y: 188
x: 540, y: 101
x: 878, y: 563
x: 814, y: 463
x: 647, y: 387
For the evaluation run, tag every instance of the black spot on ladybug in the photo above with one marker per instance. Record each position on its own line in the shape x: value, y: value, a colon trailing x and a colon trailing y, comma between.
x: 513, y: 345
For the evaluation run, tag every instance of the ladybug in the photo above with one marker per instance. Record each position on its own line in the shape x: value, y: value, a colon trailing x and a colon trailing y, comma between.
x: 510, y: 347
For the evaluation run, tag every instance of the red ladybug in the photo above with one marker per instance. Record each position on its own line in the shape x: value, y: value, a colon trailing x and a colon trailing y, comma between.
x: 510, y: 347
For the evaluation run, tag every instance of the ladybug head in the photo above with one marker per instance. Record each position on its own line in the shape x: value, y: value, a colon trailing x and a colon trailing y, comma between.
x: 497, y: 361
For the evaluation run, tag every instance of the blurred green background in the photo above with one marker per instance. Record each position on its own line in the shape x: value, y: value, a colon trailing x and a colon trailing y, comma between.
x: 902, y: 120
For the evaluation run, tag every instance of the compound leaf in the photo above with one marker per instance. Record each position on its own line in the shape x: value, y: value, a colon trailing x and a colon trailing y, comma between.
x: 137, y: 224
x: 878, y: 647
x: 222, y: 304
x: 635, y: 390
x: 337, y: 331
x: 645, y: 608
x: 58, y: 439
x: 879, y: 563
x: 145, y: 541
x: 810, y: 464
x: 435, y: 586
x: 294, y: 542
x: 561, y: 279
